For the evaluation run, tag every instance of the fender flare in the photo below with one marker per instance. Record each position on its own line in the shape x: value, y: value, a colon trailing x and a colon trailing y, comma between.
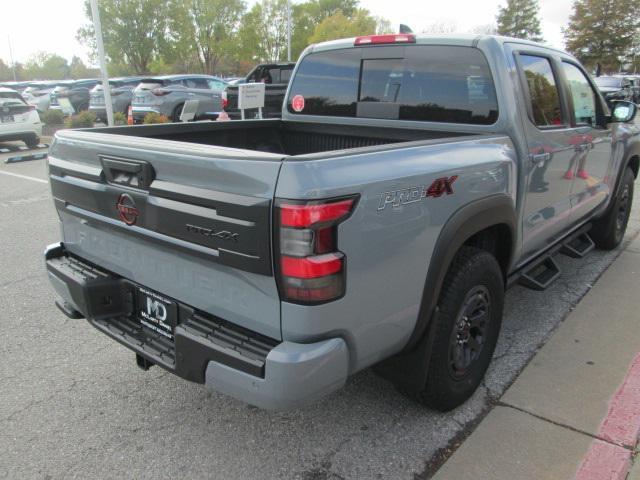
x: 409, y: 367
x: 632, y: 151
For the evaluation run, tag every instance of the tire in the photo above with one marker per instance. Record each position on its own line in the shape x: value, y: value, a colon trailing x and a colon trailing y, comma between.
x: 608, y: 232
x: 32, y: 142
x: 175, y: 116
x: 473, y: 287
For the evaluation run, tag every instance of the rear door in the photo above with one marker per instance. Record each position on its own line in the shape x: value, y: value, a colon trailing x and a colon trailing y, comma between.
x: 208, y: 100
x: 553, y: 148
x: 187, y: 221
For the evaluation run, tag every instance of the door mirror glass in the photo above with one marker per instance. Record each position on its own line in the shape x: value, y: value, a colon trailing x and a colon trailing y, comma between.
x: 623, y: 111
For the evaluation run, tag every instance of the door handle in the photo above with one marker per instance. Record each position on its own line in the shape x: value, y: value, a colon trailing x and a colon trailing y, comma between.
x: 583, y: 147
x: 540, y: 158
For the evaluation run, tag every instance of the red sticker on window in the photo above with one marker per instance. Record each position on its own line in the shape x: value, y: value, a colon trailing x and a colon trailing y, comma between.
x: 297, y: 103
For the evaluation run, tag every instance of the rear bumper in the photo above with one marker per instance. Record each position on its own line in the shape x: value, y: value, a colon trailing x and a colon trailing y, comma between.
x: 23, y: 134
x: 226, y: 358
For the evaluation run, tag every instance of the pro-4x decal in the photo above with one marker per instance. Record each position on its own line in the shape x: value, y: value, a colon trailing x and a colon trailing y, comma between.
x: 439, y: 187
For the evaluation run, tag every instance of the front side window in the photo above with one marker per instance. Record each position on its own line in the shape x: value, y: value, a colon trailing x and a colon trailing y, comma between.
x: 583, y: 96
x: 543, y: 90
x: 419, y: 83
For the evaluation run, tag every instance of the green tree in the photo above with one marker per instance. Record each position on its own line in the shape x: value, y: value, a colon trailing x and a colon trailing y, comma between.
x: 308, y: 16
x: 520, y: 19
x: 6, y: 73
x: 77, y: 69
x: 263, y: 35
x: 207, y: 28
x: 601, y: 33
x: 46, y: 66
x: 339, y: 26
x: 134, y: 31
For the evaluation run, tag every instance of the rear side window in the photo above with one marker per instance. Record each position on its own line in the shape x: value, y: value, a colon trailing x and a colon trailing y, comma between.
x: 420, y: 83
x: 148, y: 85
x: 583, y: 96
x: 5, y: 97
x: 285, y: 75
x: 195, y: 83
x: 543, y: 90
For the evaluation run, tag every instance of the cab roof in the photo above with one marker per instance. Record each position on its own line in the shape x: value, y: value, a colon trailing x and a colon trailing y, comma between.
x: 462, y: 40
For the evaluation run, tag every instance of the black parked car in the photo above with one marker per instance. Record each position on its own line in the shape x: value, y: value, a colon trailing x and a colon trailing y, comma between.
x: 635, y: 86
x: 615, y: 88
x: 275, y: 76
x: 77, y: 91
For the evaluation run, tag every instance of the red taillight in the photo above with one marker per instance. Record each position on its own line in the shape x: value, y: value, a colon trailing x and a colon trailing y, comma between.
x: 159, y: 92
x: 310, y: 267
x: 225, y: 100
x: 391, y: 38
x: 307, y: 215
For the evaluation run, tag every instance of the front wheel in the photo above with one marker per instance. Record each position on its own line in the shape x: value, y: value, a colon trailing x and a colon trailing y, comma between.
x: 608, y: 232
x: 32, y: 141
x: 468, y: 324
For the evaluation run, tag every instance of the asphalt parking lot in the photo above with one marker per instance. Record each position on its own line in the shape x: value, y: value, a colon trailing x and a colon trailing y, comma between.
x: 73, y: 403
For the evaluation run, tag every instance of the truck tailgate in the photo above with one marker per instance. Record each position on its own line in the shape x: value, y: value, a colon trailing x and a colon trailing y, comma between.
x: 191, y: 222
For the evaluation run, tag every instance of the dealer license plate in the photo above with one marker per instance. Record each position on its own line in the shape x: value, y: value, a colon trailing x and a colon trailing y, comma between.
x: 156, y: 312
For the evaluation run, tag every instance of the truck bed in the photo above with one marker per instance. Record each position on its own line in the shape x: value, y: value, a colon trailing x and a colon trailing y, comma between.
x: 279, y: 137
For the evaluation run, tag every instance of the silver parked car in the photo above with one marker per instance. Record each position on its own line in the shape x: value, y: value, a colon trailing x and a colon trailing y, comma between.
x: 38, y: 94
x: 166, y: 95
x: 121, y: 96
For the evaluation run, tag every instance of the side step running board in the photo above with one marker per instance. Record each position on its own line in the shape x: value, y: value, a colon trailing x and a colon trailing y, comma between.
x: 540, y: 275
x: 578, y: 247
x: 542, y: 272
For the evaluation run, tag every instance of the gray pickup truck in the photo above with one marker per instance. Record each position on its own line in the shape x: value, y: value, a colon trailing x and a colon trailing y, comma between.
x: 410, y: 181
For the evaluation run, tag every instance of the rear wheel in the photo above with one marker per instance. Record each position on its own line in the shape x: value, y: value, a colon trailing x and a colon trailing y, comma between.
x: 470, y: 314
x: 175, y: 116
x: 32, y: 142
x: 608, y: 232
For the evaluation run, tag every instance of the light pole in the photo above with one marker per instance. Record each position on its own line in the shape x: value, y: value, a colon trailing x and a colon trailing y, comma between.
x: 103, y: 63
x: 13, y: 65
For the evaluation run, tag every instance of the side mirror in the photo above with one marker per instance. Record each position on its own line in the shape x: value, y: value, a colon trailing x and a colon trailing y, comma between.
x: 623, y: 111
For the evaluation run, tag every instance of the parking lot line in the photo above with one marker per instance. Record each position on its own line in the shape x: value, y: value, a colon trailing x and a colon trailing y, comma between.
x: 26, y: 177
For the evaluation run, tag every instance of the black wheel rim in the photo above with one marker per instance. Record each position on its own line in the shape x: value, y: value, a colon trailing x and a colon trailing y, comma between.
x: 623, y: 209
x: 469, y: 333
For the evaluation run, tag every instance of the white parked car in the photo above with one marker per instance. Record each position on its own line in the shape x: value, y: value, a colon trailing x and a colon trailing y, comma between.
x: 18, y: 120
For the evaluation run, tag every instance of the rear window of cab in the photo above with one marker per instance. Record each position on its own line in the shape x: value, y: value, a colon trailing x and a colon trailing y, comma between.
x: 413, y: 82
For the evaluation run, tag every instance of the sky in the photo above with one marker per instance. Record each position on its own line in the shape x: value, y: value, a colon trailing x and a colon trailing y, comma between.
x: 51, y: 25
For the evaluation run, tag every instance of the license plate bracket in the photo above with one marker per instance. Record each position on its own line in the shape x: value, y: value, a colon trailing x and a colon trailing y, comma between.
x: 156, y: 312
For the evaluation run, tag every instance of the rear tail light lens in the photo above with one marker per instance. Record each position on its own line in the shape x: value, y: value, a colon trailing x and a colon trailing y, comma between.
x: 225, y: 100
x: 310, y: 268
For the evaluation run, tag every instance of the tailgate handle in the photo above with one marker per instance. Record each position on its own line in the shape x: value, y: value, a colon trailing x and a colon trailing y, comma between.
x: 129, y: 173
